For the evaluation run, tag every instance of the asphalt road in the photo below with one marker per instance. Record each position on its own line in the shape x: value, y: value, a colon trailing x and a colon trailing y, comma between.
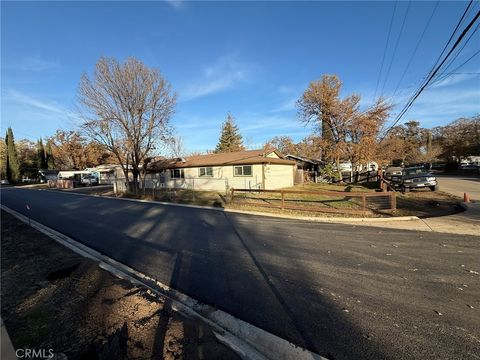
x: 343, y: 291
x: 457, y: 185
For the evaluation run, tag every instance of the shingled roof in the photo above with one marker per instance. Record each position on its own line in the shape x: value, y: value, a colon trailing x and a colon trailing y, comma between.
x: 249, y: 157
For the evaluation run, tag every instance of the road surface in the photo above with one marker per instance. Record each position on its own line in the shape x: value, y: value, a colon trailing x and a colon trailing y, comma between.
x: 457, y: 185
x: 343, y: 291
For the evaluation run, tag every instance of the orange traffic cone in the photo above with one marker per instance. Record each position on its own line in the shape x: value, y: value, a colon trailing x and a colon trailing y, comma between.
x: 466, y: 198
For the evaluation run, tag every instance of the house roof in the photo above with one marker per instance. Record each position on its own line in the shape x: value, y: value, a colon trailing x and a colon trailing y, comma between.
x: 232, y: 158
x: 304, y: 159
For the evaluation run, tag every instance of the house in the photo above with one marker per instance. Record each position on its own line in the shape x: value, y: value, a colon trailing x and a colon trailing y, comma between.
x: 253, y: 169
x: 44, y: 175
x: 307, y: 168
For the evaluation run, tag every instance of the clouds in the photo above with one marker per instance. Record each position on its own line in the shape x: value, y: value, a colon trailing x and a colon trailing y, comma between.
x: 224, y: 74
x: 34, y: 114
x: 35, y: 63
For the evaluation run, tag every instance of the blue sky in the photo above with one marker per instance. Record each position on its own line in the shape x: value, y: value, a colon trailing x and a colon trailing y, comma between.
x: 253, y: 59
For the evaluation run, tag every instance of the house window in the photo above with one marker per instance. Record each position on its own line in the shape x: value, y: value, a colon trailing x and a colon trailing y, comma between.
x: 245, y: 170
x: 177, y: 174
x: 205, y: 171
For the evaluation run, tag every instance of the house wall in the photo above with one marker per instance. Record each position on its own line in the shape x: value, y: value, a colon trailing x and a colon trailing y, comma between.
x: 279, y: 176
x: 276, y: 176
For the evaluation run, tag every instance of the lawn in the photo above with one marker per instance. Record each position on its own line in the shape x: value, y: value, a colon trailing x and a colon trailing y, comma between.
x: 423, y: 203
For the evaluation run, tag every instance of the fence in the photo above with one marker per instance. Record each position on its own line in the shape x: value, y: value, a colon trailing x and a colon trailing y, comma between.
x: 361, y: 177
x: 152, y: 184
x: 61, y: 184
x: 319, y: 201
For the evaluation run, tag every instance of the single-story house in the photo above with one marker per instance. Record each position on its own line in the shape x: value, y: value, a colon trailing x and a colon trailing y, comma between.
x: 252, y: 169
x: 308, y: 168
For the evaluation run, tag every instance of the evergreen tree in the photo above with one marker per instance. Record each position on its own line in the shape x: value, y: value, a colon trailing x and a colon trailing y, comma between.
x: 49, y: 156
x: 230, y: 138
x: 13, y: 166
x: 41, y: 160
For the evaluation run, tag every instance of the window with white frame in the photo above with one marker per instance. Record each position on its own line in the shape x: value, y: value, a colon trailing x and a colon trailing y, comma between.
x: 177, y: 174
x: 205, y: 171
x: 244, y: 170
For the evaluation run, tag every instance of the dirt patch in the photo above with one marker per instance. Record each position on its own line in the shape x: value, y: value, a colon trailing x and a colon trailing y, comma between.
x: 425, y: 203
x: 54, y: 299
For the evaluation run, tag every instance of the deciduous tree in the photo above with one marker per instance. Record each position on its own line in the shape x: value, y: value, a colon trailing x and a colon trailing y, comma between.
x: 126, y: 108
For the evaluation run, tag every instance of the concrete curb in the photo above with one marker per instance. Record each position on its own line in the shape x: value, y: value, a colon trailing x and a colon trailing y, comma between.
x: 7, y: 351
x: 259, y: 213
x: 249, y: 341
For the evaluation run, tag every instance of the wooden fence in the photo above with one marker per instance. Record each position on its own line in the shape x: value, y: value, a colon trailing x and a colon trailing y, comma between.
x: 320, y: 201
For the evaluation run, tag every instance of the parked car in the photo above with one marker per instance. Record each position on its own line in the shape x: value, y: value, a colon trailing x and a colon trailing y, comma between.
x: 417, y: 177
x: 393, y: 173
x: 89, y: 180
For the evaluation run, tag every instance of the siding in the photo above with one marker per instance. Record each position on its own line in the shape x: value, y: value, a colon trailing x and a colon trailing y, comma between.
x: 276, y: 176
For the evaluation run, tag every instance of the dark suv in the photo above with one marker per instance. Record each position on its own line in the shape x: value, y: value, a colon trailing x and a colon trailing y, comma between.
x: 417, y: 177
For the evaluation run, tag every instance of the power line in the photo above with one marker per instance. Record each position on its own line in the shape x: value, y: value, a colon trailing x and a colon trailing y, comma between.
x: 433, y: 72
x: 453, y: 72
x: 386, y: 47
x: 396, y: 45
x: 416, y: 48
x: 451, y: 61
x: 451, y: 36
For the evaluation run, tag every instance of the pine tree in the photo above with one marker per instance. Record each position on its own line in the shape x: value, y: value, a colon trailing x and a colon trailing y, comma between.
x: 230, y: 138
x: 13, y: 166
x: 49, y: 156
x: 41, y: 160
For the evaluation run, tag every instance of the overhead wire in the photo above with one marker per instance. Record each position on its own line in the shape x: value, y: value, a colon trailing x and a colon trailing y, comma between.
x: 416, y: 48
x: 386, y: 47
x: 434, y: 70
x: 396, y: 46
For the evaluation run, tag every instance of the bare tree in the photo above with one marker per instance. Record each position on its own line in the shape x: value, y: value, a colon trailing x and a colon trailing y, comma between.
x: 177, y: 147
x: 127, y: 108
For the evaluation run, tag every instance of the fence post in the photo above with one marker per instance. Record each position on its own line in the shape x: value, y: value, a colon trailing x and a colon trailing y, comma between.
x: 233, y: 193
x: 364, y: 202
x: 283, y: 199
x: 393, y: 200
x: 193, y: 188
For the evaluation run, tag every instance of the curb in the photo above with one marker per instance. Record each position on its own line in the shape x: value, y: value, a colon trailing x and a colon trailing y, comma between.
x: 249, y: 341
x: 7, y: 351
x: 258, y: 213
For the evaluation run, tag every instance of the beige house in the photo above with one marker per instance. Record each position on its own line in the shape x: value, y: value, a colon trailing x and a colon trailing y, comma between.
x: 253, y: 169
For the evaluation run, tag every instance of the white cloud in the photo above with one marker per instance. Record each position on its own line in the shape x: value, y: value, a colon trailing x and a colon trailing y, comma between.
x: 452, y: 79
x: 176, y: 4
x: 36, y: 63
x: 222, y: 75
x: 47, y: 108
x: 287, y: 105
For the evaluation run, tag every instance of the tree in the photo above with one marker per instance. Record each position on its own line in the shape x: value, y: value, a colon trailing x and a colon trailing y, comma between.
x: 13, y: 167
x: 346, y: 131
x: 284, y: 144
x: 319, y: 104
x: 126, y: 108
x: 72, y: 151
x: 459, y: 139
x: 230, y: 138
x: 41, y: 159
x: 49, y: 156
x: 3, y: 159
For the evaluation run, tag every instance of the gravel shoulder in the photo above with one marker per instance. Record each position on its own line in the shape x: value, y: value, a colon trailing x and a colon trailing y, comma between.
x: 54, y: 299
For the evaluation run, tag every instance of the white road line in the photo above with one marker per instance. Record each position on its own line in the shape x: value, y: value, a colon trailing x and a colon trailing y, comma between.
x: 249, y: 341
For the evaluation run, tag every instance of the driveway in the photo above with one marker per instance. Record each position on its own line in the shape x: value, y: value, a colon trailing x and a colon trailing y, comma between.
x: 457, y: 185
x: 343, y: 291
